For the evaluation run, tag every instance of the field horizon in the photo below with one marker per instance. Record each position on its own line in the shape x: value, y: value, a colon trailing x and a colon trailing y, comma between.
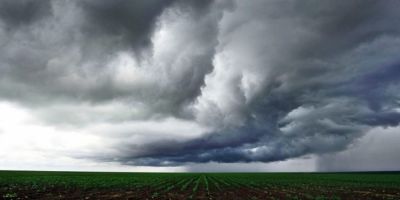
x: 204, y: 172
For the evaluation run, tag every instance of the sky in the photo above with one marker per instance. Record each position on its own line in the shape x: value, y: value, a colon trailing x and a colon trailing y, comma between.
x: 190, y: 85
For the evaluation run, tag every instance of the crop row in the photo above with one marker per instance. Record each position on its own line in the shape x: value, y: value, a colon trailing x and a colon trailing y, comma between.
x: 204, y: 185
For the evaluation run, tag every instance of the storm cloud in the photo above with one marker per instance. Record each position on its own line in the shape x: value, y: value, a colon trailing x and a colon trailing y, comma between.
x: 172, y: 82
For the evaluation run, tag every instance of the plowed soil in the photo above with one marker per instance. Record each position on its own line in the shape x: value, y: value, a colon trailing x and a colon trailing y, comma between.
x: 202, y: 194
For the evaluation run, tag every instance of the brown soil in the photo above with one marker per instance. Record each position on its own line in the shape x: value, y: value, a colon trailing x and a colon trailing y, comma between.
x: 202, y: 194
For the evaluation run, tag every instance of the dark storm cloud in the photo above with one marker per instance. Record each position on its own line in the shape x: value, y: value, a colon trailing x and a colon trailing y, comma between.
x: 23, y: 12
x: 132, y: 21
x: 42, y: 64
x: 270, y: 80
x: 336, y: 97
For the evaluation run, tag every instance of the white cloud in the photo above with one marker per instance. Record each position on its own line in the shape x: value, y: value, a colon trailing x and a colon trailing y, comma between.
x: 27, y: 144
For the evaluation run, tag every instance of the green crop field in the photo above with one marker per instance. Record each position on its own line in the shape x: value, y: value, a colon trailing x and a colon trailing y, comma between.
x: 98, y: 185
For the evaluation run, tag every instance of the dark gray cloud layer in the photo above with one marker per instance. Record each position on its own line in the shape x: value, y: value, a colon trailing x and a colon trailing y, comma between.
x: 23, y: 12
x: 270, y: 80
x: 132, y: 22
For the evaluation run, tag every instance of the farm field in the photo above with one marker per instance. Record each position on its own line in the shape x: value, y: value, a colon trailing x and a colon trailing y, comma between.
x: 99, y: 185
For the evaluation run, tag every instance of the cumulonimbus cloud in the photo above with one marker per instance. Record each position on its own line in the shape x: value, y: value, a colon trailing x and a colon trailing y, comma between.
x: 256, y: 81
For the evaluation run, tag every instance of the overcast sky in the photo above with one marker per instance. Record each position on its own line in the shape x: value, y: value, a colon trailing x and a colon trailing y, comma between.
x: 200, y: 85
